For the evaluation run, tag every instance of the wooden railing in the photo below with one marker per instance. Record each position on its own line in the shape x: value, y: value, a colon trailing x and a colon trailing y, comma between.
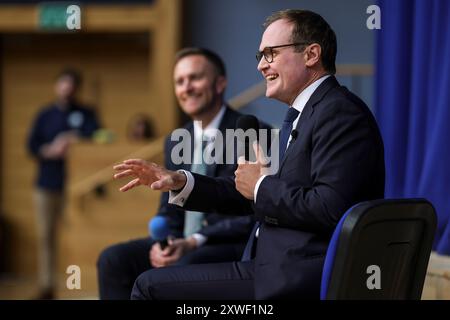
x: 103, y: 176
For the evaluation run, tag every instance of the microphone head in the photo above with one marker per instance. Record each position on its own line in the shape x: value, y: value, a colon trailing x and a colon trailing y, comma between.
x: 246, y: 122
x: 159, y: 228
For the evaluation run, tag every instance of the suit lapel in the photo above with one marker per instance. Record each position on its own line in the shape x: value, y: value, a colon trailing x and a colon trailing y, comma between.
x: 307, y: 112
x: 228, y: 122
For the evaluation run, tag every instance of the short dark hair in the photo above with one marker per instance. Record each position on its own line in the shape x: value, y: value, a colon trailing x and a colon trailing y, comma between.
x: 211, y: 56
x: 72, y: 74
x: 310, y: 27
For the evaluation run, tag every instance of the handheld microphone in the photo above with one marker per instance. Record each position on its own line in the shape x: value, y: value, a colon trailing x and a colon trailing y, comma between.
x: 294, y: 134
x: 159, y: 230
x: 247, y: 122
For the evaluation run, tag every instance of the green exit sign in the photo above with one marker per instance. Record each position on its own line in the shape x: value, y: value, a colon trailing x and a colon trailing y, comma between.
x: 59, y: 16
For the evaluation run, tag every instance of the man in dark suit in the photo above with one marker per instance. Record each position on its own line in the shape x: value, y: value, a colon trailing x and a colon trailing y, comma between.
x: 331, y: 157
x: 200, y: 81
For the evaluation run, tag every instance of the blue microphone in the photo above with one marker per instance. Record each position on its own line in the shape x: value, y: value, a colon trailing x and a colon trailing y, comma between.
x: 159, y: 230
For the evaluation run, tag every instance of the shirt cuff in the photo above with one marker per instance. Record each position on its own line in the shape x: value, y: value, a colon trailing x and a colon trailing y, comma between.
x: 179, y: 198
x: 199, y: 238
x: 255, y: 192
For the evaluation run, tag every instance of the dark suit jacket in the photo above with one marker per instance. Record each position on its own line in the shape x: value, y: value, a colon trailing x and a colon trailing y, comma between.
x: 336, y: 161
x: 218, y: 227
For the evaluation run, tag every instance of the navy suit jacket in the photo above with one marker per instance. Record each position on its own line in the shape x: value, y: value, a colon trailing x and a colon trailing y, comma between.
x: 218, y: 227
x: 336, y: 161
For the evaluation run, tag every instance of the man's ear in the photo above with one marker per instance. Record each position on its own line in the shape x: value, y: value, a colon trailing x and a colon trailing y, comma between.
x: 221, y: 84
x: 313, y: 54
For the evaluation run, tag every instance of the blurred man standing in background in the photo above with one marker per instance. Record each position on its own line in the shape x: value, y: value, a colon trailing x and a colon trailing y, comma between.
x: 55, y: 128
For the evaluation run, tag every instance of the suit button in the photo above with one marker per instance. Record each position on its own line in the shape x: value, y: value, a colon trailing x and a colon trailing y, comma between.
x: 271, y: 220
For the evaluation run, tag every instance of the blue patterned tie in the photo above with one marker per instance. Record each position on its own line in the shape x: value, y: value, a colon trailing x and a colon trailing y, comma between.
x: 285, y: 132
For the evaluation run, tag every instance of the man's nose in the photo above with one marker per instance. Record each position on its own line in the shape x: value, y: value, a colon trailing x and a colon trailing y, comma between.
x: 189, y: 86
x: 262, y: 64
x: 186, y: 87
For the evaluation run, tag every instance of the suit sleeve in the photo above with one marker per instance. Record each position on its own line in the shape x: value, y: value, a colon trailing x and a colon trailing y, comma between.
x: 344, y: 154
x: 217, y: 195
x: 173, y: 213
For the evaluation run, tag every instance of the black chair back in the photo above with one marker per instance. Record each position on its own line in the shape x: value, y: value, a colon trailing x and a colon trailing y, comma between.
x: 380, y: 250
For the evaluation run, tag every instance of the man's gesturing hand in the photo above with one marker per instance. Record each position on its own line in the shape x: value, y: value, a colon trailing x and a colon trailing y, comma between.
x: 149, y: 174
x: 248, y: 173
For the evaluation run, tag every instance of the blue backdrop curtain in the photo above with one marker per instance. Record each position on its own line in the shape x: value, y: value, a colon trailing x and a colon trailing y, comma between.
x: 413, y: 103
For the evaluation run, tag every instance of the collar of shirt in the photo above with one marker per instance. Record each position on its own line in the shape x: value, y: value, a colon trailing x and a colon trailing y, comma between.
x: 301, y: 100
x: 211, y: 129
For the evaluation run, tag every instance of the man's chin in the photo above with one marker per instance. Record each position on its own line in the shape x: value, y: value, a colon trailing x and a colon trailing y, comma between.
x: 270, y: 94
x: 195, y: 112
x: 190, y: 109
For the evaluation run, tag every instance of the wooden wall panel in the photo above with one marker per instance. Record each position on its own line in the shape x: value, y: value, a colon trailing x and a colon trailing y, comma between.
x: 125, y: 55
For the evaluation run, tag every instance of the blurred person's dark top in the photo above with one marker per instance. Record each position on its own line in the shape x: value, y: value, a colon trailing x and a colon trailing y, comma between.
x: 51, y: 122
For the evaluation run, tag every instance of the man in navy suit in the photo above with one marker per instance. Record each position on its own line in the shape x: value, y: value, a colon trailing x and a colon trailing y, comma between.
x: 331, y: 157
x: 200, y: 81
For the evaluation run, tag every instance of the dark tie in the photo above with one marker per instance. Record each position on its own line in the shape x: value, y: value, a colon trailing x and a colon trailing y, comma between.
x: 285, y: 132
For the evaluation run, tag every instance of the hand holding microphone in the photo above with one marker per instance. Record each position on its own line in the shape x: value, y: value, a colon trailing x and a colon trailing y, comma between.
x: 159, y: 230
x: 167, y: 250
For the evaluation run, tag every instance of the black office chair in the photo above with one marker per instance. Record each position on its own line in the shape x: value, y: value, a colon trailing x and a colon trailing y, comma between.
x: 380, y: 250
